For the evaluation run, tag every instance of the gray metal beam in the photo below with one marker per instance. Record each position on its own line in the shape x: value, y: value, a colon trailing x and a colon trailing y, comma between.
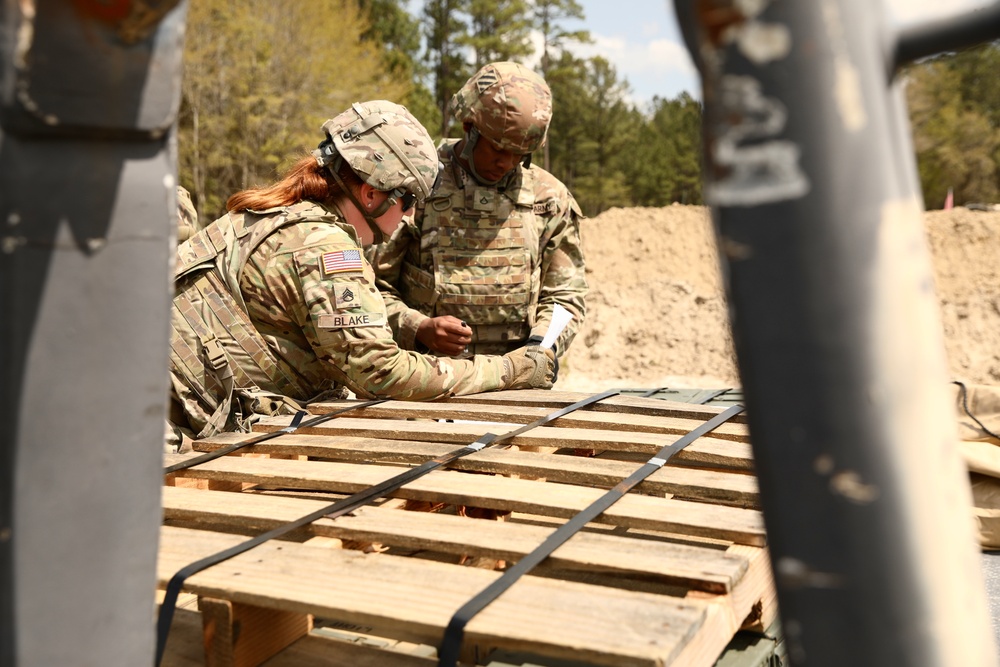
x: 809, y: 170
x: 88, y: 99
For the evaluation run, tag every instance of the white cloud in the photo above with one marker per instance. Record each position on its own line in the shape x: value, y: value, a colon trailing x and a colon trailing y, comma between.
x: 629, y: 58
x: 672, y: 54
x: 910, y: 11
x: 650, y: 29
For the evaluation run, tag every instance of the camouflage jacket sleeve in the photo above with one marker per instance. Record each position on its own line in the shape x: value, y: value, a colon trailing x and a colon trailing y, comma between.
x: 388, y: 263
x: 313, y: 289
x: 563, y: 272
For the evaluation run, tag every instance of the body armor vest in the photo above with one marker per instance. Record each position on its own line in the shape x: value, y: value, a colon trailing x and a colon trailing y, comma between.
x: 478, y: 256
x: 219, y: 363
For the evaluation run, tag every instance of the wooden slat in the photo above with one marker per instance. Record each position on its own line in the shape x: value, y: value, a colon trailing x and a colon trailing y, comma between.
x: 720, y: 487
x: 722, y: 621
x: 551, y: 399
x: 242, y: 635
x: 319, y: 651
x: 413, y: 599
x: 707, y: 451
x: 185, y: 649
x: 742, y: 526
x: 455, y: 409
x: 699, y: 568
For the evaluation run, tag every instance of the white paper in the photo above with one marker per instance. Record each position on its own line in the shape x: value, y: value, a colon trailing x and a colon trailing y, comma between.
x: 560, y: 318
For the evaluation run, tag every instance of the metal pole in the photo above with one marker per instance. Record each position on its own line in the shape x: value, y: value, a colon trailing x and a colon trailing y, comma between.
x: 89, y: 92
x: 810, y: 174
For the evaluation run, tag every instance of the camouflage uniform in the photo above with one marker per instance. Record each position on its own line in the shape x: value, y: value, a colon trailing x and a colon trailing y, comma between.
x: 497, y: 256
x: 319, y: 311
x: 187, y: 216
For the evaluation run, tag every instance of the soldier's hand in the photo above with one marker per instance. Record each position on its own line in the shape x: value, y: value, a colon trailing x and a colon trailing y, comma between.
x: 536, y: 340
x: 445, y: 335
x: 529, y: 367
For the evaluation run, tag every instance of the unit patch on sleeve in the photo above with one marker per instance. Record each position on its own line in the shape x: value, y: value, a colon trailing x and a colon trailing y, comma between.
x: 347, y: 295
x: 350, y: 320
x: 340, y: 261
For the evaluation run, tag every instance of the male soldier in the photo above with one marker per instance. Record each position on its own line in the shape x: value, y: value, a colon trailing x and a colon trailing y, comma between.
x: 489, y: 254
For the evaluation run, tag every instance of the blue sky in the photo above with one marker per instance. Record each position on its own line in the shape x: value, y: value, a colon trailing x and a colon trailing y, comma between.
x: 642, y: 40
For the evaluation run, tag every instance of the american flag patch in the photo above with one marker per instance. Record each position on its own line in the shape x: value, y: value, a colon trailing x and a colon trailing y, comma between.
x: 342, y: 260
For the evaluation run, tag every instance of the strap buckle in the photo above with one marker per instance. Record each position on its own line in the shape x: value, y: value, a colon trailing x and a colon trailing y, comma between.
x: 214, y: 354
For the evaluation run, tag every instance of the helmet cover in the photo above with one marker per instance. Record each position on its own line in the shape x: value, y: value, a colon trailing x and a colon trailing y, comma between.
x: 384, y: 145
x: 508, y: 104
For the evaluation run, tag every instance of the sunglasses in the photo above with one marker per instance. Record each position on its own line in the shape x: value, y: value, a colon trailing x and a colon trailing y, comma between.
x: 409, y: 199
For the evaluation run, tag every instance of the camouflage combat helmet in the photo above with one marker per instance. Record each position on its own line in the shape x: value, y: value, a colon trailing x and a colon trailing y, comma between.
x: 508, y: 104
x: 384, y: 145
x: 387, y: 148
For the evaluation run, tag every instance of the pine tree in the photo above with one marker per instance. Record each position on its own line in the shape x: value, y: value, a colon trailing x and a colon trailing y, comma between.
x: 606, y: 128
x: 954, y: 106
x: 663, y: 164
x: 499, y: 30
x: 548, y: 15
x: 444, y: 29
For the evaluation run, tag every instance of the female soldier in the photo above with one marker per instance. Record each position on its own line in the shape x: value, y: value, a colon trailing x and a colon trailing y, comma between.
x: 276, y: 300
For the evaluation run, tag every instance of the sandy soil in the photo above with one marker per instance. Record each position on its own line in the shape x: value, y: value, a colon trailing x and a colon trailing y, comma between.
x: 657, y: 312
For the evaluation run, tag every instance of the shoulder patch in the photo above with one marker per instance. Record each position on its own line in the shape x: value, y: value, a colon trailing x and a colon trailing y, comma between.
x: 340, y: 261
x: 347, y: 295
x: 549, y: 206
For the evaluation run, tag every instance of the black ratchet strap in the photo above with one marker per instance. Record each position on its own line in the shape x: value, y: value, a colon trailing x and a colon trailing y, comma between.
x: 452, y: 642
x: 712, y: 396
x: 963, y: 393
x: 339, y: 508
x: 295, y: 424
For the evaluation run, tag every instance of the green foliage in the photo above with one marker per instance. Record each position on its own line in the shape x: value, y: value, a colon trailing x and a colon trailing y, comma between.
x: 663, y: 164
x: 954, y: 106
x: 260, y: 78
x: 395, y: 33
x: 591, y: 126
x: 444, y: 29
x: 548, y: 14
x: 500, y: 30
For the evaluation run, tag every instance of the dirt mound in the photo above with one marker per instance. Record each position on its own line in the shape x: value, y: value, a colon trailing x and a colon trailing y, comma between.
x: 657, y: 313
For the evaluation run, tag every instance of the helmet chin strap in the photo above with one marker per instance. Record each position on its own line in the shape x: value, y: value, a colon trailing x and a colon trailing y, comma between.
x: 471, y: 139
x: 377, y: 233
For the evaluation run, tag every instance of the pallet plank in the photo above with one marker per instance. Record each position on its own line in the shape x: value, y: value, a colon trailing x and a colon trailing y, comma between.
x: 525, y: 414
x: 555, y: 399
x: 414, y: 599
x: 699, y: 568
x: 707, y: 451
x: 714, y: 486
x: 742, y: 526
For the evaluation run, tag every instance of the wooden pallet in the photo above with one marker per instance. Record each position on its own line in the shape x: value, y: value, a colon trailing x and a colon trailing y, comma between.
x: 666, y: 577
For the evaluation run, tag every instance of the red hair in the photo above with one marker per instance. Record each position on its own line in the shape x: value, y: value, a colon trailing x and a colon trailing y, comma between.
x: 304, y: 180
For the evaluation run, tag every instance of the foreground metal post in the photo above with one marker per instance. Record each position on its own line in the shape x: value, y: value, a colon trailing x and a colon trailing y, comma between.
x: 88, y: 99
x: 811, y: 178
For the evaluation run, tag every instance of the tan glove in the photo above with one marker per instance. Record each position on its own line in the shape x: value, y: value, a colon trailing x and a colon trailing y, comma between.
x: 529, y: 367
